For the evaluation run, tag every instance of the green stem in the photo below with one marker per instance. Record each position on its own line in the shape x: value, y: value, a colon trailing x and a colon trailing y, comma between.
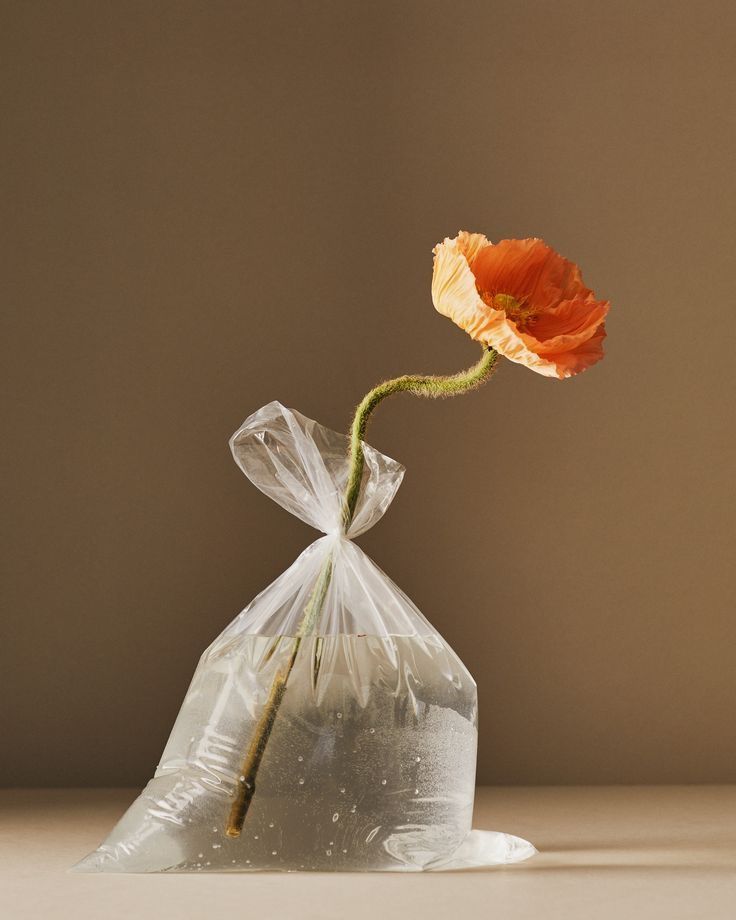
x: 419, y: 385
x: 432, y: 387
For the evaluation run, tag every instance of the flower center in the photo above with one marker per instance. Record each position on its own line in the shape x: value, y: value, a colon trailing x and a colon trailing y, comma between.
x: 519, y: 311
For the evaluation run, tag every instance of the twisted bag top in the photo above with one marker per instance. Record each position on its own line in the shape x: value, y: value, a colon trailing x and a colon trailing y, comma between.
x: 304, y: 467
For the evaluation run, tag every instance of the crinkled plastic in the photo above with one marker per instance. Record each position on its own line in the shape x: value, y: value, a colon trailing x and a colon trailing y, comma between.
x: 370, y: 762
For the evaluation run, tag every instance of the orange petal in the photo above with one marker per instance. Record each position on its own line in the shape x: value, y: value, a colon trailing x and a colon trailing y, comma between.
x: 569, y: 363
x: 529, y: 270
x: 573, y: 326
x: 568, y: 318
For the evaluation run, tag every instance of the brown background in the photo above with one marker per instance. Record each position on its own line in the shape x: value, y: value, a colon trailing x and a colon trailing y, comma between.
x: 212, y: 205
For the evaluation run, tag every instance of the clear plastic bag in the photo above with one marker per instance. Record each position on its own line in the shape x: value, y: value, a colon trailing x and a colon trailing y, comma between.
x: 370, y: 759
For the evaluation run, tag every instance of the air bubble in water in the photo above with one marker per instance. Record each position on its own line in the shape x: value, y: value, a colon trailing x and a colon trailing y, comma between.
x: 335, y: 816
x: 301, y: 780
x: 274, y: 852
x: 216, y: 846
x: 300, y: 758
x: 383, y: 782
x: 372, y: 731
x: 270, y: 823
x: 342, y: 789
x: 339, y: 715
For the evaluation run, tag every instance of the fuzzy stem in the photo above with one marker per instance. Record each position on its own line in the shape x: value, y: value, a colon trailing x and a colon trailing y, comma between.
x: 432, y: 387
x: 419, y: 385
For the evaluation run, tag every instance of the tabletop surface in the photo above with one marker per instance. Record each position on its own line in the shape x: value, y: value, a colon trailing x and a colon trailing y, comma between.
x: 605, y: 852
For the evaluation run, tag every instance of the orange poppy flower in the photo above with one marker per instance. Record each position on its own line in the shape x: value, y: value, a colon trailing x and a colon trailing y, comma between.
x: 521, y: 298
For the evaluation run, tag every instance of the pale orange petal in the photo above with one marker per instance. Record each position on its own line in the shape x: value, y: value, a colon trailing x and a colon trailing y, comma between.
x: 470, y: 244
x: 453, y: 287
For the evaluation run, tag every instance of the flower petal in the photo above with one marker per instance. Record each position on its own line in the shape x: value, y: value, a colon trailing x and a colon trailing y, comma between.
x: 470, y: 244
x: 530, y: 271
x: 581, y: 324
x: 453, y: 286
x: 455, y: 295
x: 569, y: 318
x: 569, y: 363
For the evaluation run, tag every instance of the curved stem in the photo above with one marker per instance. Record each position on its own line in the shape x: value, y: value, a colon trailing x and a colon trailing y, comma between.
x: 432, y: 387
x: 419, y: 385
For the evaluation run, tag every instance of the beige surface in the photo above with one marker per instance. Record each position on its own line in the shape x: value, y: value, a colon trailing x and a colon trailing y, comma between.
x: 607, y: 853
x: 213, y: 205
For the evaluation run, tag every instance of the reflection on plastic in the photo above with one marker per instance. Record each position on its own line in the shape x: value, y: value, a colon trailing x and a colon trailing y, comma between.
x: 371, y: 762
